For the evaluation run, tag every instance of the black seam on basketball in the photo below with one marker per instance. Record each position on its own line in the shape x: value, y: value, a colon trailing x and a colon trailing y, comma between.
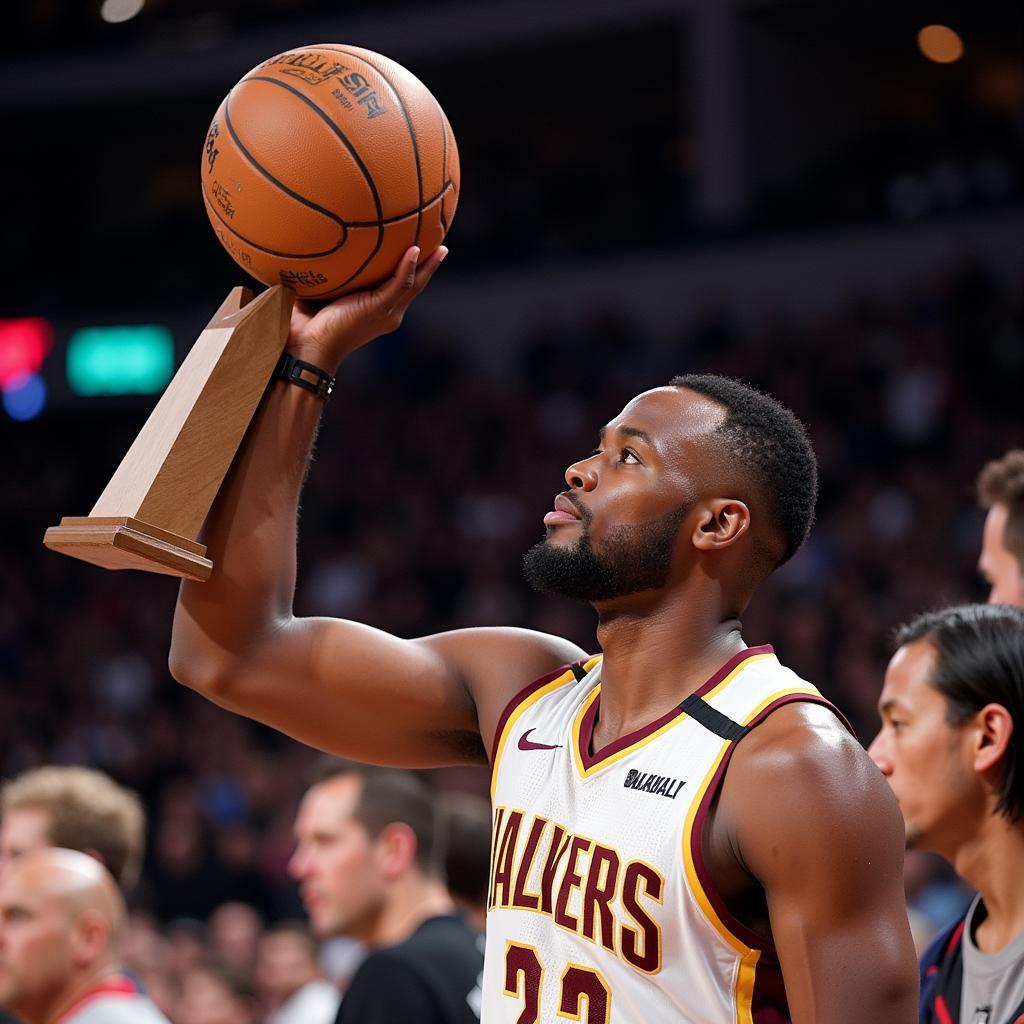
x: 287, y: 191
x: 444, y: 161
x: 408, y: 124
x: 427, y: 204
x: 261, y: 248
x: 323, y: 115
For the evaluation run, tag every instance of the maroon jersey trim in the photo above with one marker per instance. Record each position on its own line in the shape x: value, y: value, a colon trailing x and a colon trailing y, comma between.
x: 586, y: 731
x: 523, y: 695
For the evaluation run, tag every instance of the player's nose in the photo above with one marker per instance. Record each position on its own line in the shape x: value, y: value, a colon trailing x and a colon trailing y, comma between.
x: 582, y: 475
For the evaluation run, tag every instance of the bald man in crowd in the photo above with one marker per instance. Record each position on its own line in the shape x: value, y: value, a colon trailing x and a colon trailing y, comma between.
x: 61, y: 918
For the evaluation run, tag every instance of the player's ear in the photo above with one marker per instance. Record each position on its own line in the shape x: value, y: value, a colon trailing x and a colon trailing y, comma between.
x: 720, y: 523
x: 993, y: 729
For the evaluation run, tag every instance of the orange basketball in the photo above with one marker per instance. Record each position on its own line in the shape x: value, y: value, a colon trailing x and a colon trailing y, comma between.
x: 323, y: 165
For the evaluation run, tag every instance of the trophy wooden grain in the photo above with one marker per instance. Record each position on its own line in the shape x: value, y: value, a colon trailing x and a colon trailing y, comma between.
x: 149, y: 515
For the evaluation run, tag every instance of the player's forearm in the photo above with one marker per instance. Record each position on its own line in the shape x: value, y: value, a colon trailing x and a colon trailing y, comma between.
x: 222, y: 625
x: 251, y: 538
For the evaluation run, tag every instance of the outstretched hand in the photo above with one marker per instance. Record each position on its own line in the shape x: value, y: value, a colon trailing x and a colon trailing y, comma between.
x: 325, y: 335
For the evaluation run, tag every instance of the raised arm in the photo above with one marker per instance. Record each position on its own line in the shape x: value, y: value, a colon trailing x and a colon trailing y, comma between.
x: 814, y: 822
x: 338, y: 685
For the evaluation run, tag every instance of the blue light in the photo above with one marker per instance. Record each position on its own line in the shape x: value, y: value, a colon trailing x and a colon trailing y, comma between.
x: 25, y: 397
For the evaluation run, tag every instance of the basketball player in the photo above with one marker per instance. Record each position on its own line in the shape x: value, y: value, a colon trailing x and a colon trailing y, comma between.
x: 1001, y: 491
x: 61, y: 918
x: 952, y: 711
x: 683, y: 830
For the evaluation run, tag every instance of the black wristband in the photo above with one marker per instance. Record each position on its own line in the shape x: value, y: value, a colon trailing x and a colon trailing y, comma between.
x: 295, y: 371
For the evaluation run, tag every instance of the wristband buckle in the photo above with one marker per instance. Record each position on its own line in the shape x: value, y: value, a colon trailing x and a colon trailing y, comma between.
x: 305, y: 375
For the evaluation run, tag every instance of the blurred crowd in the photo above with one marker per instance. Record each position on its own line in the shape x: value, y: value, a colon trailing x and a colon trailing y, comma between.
x: 429, y: 484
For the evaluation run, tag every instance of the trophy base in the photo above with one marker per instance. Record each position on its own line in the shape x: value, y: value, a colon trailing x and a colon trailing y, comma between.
x: 121, y: 542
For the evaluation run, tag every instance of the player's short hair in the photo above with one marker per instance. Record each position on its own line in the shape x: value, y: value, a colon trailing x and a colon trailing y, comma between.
x: 87, y: 810
x: 765, y: 440
x: 980, y: 660
x: 1001, y: 482
x: 466, y: 819
x: 391, y: 795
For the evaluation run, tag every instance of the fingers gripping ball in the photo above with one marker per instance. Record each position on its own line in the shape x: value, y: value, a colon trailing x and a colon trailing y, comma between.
x: 324, y: 164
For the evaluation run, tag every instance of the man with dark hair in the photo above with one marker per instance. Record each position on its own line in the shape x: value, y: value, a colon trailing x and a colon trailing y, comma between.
x: 952, y: 748
x: 369, y: 866
x: 683, y: 828
x: 466, y: 818
x: 1001, y: 491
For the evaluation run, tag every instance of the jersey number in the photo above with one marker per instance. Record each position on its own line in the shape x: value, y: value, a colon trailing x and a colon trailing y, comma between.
x: 524, y: 975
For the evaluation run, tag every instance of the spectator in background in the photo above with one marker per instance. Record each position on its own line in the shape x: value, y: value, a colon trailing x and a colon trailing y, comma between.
x: 77, y: 809
x: 952, y: 747
x: 289, y: 981
x: 214, y: 993
x: 233, y: 933
x: 1001, y: 491
x: 367, y: 864
x: 61, y: 919
x: 467, y: 860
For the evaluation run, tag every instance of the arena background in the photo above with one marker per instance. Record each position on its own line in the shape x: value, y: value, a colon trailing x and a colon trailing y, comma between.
x: 789, y: 192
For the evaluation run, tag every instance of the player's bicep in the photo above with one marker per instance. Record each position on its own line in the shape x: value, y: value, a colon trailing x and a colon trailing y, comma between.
x: 828, y: 850
x: 356, y: 691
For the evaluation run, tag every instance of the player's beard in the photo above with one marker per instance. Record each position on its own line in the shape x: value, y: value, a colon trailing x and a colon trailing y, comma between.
x: 632, y: 559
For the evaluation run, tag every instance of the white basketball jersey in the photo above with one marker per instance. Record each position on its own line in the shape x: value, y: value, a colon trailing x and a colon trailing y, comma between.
x: 600, y: 908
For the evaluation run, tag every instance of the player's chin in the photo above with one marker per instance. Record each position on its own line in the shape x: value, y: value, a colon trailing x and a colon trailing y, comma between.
x: 562, y: 534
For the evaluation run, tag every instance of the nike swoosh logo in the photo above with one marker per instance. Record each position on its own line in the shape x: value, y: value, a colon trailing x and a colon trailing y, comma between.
x: 528, y: 744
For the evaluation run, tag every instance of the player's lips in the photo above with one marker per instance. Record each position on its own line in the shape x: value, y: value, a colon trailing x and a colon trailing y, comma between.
x: 563, y: 512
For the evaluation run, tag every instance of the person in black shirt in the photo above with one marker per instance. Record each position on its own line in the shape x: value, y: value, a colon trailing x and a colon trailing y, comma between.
x: 368, y: 867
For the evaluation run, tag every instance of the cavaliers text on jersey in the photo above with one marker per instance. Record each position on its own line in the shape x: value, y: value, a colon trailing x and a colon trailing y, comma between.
x: 600, y: 909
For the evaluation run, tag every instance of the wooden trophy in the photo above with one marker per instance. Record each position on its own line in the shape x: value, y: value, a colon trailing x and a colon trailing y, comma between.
x: 150, y: 513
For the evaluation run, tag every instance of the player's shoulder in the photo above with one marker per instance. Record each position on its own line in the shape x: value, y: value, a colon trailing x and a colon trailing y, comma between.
x: 802, y: 764
x: 495, y: 662
x: 529, y: 649
x: 800, y: 736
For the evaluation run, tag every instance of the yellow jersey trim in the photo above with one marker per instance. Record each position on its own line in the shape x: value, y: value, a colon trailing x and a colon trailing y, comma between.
x: 559, y: 681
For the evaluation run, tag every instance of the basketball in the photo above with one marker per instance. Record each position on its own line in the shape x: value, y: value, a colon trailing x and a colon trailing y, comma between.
x: 323, y: 165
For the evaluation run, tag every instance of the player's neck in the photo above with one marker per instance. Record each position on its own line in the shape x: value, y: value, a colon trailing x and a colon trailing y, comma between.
x: 655, y: 660
x: 990, y: 862
x: 412, y: 900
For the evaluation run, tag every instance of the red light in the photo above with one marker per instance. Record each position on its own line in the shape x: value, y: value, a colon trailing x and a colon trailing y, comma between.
x: 24, y: 344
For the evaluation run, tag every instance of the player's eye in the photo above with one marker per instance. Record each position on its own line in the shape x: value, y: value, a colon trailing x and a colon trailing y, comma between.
x: 628, y: 455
